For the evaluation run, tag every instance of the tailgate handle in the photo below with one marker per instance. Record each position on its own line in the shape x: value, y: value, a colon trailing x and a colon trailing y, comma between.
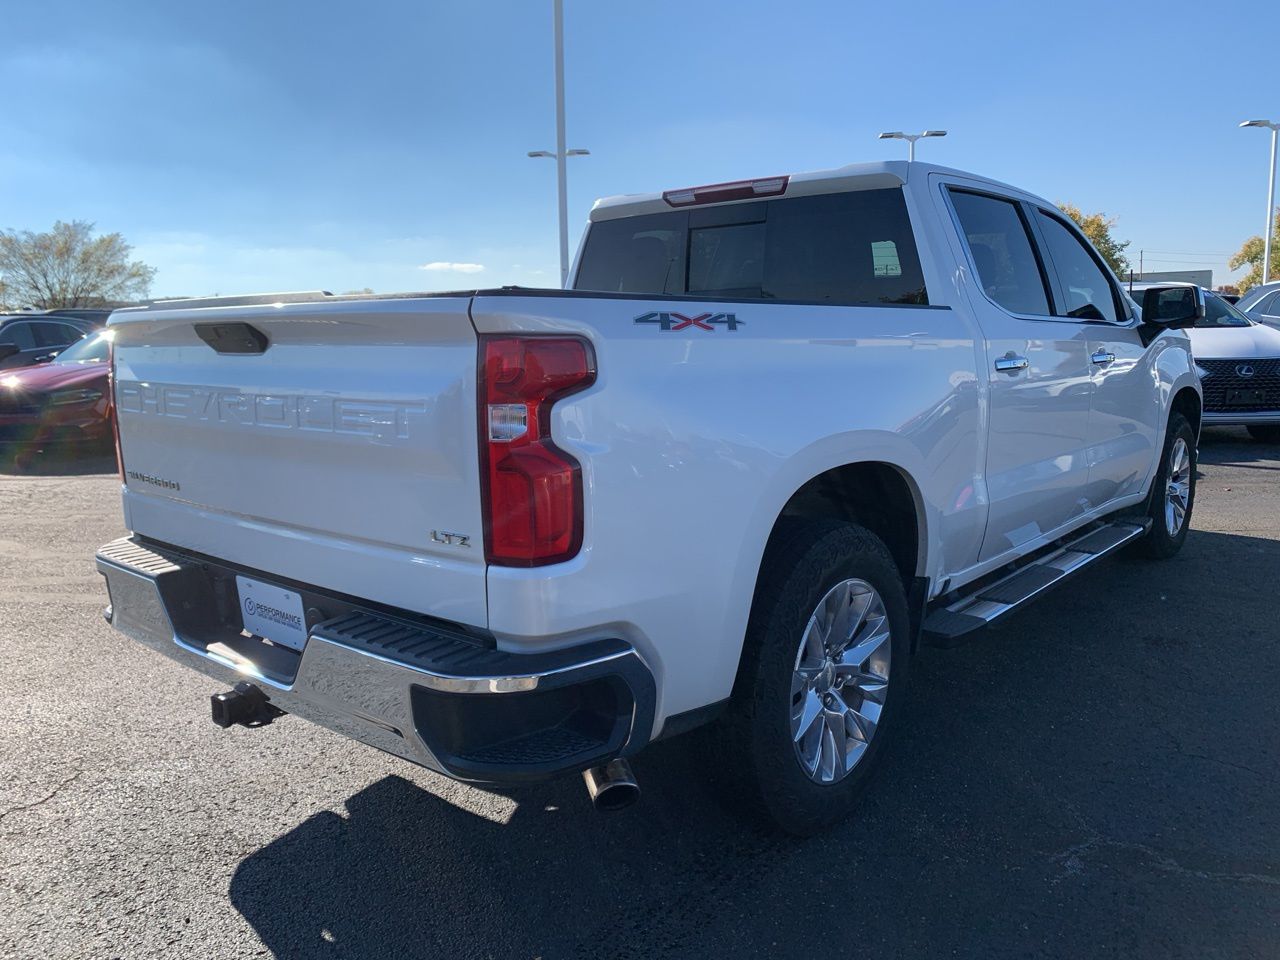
x: 233, y: 337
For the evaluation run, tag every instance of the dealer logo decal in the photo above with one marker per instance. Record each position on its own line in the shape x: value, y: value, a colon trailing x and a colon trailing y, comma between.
x: 679, y: 321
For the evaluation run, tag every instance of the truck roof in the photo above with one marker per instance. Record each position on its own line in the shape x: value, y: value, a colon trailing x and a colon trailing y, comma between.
x: 853, y: 176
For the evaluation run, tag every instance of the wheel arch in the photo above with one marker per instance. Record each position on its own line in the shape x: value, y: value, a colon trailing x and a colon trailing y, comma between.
x: 880, y: 491
x: 875, y: 494
x: 1187, y: 402
x: 881, y: 495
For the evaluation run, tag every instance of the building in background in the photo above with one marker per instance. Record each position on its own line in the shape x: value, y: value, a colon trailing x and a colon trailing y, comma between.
x: 1202, y: 278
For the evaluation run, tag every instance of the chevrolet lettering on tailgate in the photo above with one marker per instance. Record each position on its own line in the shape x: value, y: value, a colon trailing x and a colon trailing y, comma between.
x: 272, y: 411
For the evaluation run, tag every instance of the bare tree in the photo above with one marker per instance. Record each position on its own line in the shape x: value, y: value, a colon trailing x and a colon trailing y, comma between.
x: 69, y: 267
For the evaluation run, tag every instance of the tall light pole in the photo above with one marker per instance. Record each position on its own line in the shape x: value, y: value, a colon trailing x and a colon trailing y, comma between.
x: 911, y: 139
x: 561, y: 153
x: 1271, y: 196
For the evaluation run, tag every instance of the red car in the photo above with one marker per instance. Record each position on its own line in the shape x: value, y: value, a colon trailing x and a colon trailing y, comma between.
x: 65, y: 402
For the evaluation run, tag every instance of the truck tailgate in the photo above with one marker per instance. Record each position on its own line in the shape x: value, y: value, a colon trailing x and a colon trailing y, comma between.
x: 342, y: 456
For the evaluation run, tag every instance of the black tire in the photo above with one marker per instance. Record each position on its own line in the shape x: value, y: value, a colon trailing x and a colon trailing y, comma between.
x: 1265, y: 433
x: 751, y: 745
x: 1160, y: 543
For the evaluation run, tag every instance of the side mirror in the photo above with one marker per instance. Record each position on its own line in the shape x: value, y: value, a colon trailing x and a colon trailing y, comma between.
x: 7, y: 350
x: 1174, y: 307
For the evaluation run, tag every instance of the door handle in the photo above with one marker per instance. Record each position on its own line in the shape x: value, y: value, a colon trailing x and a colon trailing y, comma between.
x: 1011, y: 363
x: 1103, y: 356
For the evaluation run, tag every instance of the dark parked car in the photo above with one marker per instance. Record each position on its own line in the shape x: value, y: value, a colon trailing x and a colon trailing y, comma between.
x: 66, y: 401
x: 95, y: 317
x: 30, y: 338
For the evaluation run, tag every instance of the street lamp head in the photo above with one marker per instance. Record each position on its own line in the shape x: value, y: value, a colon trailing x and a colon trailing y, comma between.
x: 577, y: 153
x: 1274, y: 127
x: 935, y: 133
x: 895, y: 135
x: 541, y: 153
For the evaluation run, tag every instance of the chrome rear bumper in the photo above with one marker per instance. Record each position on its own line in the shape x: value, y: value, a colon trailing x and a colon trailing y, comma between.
x: 429, y: 693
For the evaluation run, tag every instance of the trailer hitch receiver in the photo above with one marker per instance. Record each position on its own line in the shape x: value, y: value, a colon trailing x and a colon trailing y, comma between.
x: 245, y: 705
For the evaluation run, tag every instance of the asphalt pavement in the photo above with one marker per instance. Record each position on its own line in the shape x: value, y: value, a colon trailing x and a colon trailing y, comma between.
x: 1095, y: 778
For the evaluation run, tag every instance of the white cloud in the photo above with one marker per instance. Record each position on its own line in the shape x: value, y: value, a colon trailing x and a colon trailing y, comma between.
x: 444, y: 266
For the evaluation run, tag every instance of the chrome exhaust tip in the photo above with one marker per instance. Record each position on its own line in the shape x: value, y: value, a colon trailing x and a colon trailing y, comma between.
x: 611, y: 786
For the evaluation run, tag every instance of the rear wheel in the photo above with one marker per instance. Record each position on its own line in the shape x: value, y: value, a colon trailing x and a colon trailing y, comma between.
x: 1265, y: 433
x: 822, y: 677
x: 1173, y: 491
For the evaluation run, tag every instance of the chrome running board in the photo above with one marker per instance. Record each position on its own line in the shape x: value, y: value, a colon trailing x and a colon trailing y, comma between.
x: 950, y: 625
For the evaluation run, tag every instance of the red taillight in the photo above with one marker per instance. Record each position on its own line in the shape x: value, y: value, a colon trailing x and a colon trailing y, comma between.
x: 532, y: 489
x: 721, y: 192
x: 111, y: 404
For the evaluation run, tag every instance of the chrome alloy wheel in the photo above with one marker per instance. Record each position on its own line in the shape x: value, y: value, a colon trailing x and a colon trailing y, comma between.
x: 840, y: 680
x: 1177, y: 497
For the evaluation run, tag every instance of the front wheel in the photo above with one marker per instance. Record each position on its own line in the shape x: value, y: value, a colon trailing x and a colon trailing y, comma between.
x: 1265, y: 432
x: 823, y: 675
x: 1173, y: 492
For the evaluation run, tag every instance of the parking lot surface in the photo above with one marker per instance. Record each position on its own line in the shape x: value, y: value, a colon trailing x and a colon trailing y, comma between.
x: 1095, y: 778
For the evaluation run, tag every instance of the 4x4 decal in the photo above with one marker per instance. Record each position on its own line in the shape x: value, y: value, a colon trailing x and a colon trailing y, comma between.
x: 703, y: 321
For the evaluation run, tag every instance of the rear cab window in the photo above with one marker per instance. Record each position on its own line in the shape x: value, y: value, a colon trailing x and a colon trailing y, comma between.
x: 841, y: 248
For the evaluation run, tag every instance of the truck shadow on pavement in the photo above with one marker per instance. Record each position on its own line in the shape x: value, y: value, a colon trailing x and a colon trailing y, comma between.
x: 1071, y: 763
x: 408, y: 874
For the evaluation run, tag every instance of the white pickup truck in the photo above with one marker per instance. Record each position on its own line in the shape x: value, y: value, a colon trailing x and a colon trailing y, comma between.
x: 777, y: 434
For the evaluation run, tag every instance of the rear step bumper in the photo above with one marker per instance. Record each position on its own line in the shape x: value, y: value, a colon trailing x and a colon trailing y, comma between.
x: 430, y: 693
x: 951, y: 624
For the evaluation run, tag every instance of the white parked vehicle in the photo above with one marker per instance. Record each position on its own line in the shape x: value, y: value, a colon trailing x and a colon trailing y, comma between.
x: 779, y: 431
x: 1262, y: 303
x: 1238, y: 361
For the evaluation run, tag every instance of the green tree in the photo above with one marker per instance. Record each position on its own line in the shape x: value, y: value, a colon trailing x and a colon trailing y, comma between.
x: 1097, y: 227
x: 1250, y: 255
x: 69, y: 267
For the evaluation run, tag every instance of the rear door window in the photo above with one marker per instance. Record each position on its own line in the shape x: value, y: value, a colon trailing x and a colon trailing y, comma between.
x: 19, y: 335
x: 49, y: 334
x: 843, y: 248
x: 1000, y: 246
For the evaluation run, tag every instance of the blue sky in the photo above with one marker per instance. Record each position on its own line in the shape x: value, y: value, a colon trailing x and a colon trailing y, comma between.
x: 246, y: 146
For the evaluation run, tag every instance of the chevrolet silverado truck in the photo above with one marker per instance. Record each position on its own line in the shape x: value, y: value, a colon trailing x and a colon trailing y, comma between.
x: 777, y: 434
